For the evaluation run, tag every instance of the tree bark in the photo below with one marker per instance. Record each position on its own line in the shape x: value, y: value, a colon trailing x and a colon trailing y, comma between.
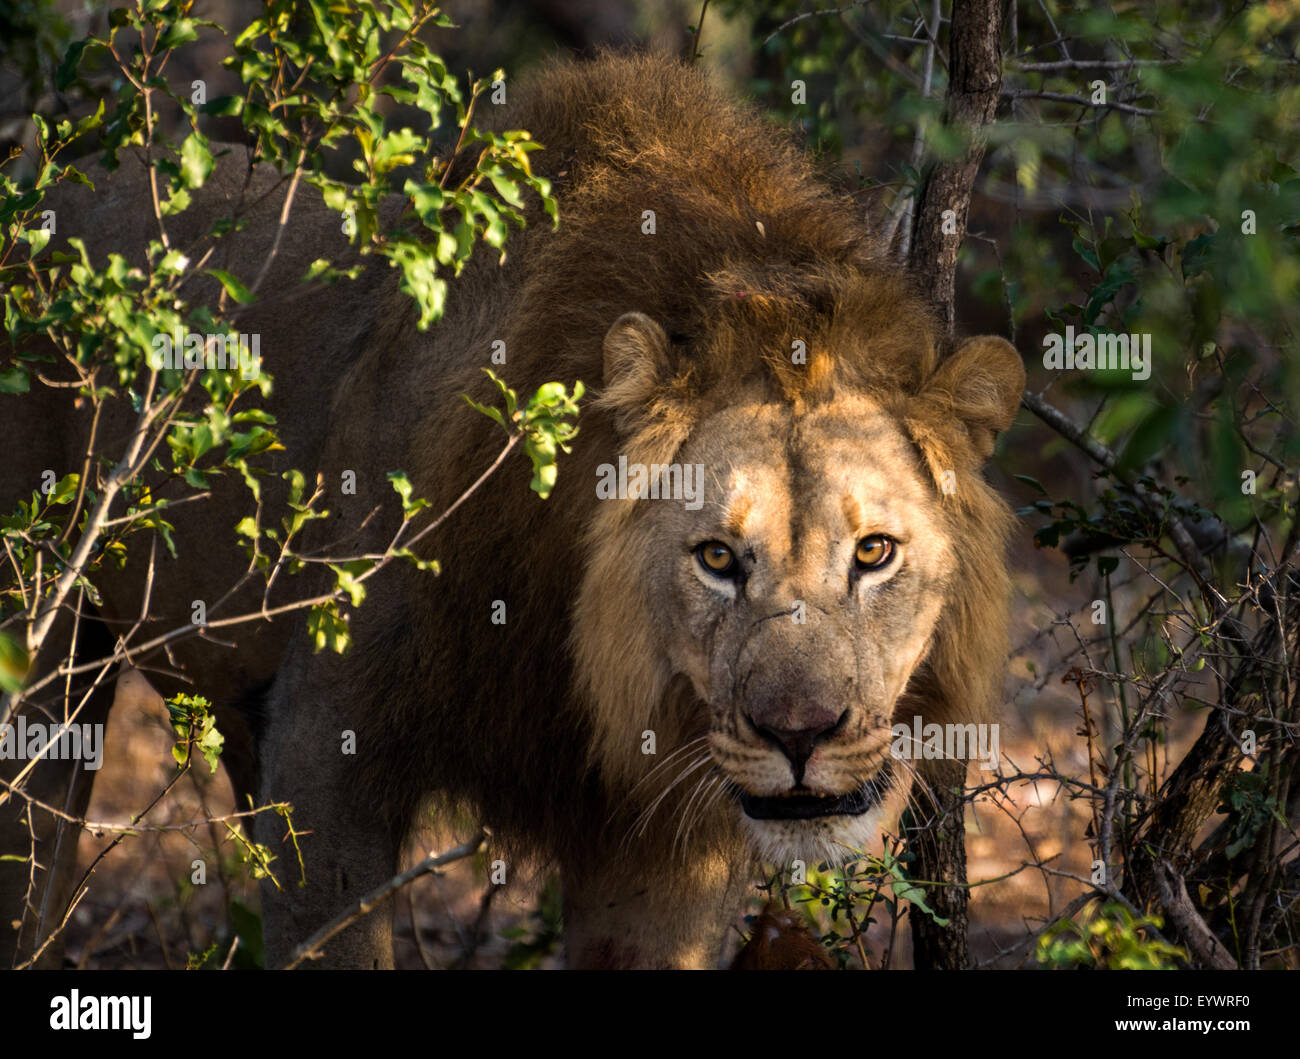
x: 940, y: 847
x: 975, y: 81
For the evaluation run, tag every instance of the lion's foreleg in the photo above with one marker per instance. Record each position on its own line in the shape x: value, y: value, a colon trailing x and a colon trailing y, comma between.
x: 678, y: 915
x: 347, y: 848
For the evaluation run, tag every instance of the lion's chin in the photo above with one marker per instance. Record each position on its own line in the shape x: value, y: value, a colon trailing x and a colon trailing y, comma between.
x: 836, y: 839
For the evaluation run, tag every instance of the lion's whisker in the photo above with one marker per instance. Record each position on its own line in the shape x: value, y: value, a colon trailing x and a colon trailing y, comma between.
x: 685, y: 822
x: 642, y: 821
x: 687, y: 747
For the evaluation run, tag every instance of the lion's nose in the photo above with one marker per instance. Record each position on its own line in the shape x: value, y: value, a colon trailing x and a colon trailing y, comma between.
x: 798, y: 744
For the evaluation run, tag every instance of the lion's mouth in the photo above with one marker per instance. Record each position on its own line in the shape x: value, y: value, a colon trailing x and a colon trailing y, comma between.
x: 810, y: 806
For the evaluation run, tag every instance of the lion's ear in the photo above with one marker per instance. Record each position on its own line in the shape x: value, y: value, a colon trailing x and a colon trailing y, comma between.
x: 636, y: 367
x: 980, y: 384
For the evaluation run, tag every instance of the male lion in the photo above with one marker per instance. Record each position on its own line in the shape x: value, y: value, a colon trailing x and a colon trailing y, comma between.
x: 824, y: 556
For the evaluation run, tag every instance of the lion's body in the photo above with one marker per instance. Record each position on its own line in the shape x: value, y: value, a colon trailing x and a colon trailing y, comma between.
x: 537, y: 724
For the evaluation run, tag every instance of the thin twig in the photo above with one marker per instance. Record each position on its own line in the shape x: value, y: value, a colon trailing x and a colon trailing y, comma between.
x: 309, y: 949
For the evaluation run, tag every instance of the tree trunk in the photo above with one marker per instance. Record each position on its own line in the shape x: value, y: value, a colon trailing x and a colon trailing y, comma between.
x: 939, y: 843
x: 975, y: 80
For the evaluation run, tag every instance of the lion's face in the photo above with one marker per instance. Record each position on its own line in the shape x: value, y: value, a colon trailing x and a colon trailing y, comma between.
x: 824, y: 563
x: 801, y: 593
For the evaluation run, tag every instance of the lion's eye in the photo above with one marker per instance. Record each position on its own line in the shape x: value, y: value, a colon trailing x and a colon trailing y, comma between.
x: 873, y: 552
x: 717, y: 558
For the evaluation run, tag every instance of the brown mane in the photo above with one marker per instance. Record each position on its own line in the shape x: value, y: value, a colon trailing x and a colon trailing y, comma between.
x: 629, y: 135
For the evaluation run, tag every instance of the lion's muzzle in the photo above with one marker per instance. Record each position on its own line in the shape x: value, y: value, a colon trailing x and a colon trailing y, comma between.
x: 810, y: 807
x: 810, y: 726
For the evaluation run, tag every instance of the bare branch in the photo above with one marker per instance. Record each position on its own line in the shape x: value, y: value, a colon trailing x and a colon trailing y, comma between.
x: 309, y: 949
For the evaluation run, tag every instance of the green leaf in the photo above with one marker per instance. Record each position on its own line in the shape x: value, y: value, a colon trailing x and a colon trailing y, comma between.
x: 15, y: 380
x: 223, y: 106
x: 328, y: 628
x: 492, y: 413
x: 65, y: 490
x: 405, y: 490
x: 233, y: 286
x: 196, y: 160
x: 13, y: 664
x: 195, y: 726
x: 346, y: 580
x: 36, y: 238
x: 1154, y: 433
x: 508, y: 190
x: 67, y: 71
x: 1196, y: 255
x: 179, y: 31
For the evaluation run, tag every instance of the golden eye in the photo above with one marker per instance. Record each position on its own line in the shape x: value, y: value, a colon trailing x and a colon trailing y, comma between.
x: 717, y: 558
x: 873, y: 552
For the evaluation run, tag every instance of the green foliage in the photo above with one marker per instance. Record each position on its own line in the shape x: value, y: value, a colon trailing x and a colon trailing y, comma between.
x: 196, y: 729
x: 1111, y: 939
x: 249, y: 954
x: 1217, y: 135
x: 318, y: 79
x: 1250, y: 805
x: 33, y: 36
x: 1117, y: 518
x: 544, y: 424
x: 847, y: 84
x: 13, y: 663
x: 840, y: 903
x: 1205, y: 259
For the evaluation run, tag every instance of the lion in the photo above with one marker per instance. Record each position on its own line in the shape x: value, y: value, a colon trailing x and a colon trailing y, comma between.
x: 771, y: 542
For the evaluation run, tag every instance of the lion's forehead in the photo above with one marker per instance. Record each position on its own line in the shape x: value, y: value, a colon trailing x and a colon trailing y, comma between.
x: 847, y: 468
